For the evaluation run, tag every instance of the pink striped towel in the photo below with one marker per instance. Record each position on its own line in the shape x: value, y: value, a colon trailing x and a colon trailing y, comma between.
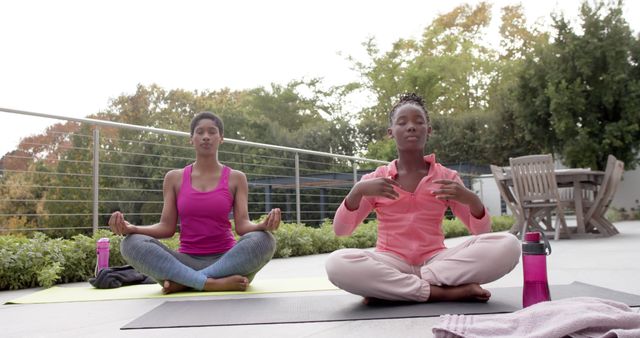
x: 580, y: 317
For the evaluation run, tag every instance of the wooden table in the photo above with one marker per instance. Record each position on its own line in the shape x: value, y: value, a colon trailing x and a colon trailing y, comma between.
x: 580, y: 179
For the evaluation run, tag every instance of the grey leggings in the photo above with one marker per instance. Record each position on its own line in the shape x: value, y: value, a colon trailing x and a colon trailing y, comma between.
x: 149, y: 256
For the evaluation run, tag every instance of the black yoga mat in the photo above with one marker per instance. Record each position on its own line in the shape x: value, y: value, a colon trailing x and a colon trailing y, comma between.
x: 343, y: 307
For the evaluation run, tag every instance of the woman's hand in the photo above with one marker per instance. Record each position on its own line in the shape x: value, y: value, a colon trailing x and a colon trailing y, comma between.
x: 272, y: 222
x: 453, y: 190
x: 382, y: 186
x: 119, y: 225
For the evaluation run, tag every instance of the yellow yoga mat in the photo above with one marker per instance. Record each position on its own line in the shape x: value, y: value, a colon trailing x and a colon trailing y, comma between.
x: 88, y: 293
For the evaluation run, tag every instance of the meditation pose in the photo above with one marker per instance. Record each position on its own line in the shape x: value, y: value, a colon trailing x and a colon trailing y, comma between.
x: 410, y: 196
x: 201, y: 195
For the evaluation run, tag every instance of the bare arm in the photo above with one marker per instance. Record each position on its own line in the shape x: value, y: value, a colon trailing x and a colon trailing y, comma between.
x: 243, y: 224
x: 168, y: 220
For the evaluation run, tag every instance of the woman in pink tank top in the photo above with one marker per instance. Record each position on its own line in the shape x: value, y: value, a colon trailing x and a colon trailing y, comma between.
x: 201, y: 196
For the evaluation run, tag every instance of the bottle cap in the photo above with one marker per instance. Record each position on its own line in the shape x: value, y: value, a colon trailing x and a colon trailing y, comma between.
x: 532, y: 237
x: 533, y: 246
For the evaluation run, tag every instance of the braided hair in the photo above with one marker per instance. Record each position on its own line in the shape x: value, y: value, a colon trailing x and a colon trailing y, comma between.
x: 409, y: 98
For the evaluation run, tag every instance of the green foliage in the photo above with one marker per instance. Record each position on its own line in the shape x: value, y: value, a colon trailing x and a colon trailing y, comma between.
x: 41, y: 261
x: 622, y: 214
x: 579, y: 95
x: 31, y: 262
x: 293, y: 240
x: 299, y: 240
x: 455, y: 227
x: 449, y: 66
x: 468, y: 87
x: 615, y: 215
x: 501, y: 223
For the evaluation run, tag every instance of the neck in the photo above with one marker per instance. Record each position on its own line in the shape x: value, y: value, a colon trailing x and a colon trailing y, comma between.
x: 411, y: 161
x: 207, y: 164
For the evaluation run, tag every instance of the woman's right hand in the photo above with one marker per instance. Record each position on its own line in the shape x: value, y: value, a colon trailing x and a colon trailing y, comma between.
x: 381, y: 186
x: 119, y: 225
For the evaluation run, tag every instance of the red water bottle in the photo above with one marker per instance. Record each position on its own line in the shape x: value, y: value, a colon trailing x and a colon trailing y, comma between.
x: 102, y: 253
x: 534, y: 266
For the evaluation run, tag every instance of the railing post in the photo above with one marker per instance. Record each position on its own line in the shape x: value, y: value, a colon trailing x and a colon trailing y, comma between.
x: 355, y: 172
x: 96, y: 175
x: 298, y: 188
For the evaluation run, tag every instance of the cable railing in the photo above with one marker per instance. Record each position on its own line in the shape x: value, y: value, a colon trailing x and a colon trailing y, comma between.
x: 73, y: 186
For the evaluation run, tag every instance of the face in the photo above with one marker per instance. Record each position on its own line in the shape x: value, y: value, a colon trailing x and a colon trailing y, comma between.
x: 206, y: 136
x: 409, y: 128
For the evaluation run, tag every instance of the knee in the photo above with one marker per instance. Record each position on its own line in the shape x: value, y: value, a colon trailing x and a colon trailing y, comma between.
x: 509, y: 249
x: 130, y: 243
x: 338, y: 267
x: 264, y: 240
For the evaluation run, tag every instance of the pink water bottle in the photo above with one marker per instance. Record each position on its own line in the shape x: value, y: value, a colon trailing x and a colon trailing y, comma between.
x: 102, y: 251
x: 534, y: 265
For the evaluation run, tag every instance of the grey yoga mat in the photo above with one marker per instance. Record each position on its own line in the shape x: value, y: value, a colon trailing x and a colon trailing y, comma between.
x: 322, y: 308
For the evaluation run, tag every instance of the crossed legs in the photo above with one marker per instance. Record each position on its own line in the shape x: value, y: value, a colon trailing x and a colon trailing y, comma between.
x: 453, y: 274
x: 232, y: 270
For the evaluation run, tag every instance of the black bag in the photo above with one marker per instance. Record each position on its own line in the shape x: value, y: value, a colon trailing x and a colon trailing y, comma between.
x: 117, y: 276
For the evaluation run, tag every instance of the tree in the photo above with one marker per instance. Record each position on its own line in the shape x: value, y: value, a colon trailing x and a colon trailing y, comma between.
x: 518, y: 42
x: 450, y: 67
x: 580, y: 96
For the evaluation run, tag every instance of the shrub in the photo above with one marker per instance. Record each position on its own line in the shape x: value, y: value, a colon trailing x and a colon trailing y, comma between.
x: 501, y: 223
x: 615, y: 215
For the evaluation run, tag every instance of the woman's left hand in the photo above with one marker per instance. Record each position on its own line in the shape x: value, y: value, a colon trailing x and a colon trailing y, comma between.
x: 452, y: 190
x: 272, y: 222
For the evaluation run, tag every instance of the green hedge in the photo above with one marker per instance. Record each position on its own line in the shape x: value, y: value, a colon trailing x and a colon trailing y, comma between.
x: 42, y: 261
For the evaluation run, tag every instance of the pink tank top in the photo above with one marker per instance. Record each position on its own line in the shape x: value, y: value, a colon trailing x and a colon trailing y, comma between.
x: 204, y: 216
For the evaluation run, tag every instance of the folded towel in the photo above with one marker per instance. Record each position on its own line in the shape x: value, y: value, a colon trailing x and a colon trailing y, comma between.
x: 582, y: 317
x: 117, y: 276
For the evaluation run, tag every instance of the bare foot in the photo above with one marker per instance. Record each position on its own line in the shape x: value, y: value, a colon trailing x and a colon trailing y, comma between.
x: 171, y: 287
x: 466, y: 292
x: 231, y: 283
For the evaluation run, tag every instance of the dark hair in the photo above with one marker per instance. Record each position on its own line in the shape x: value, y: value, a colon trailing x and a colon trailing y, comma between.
x: 207, y: 115
x: 408, y: 98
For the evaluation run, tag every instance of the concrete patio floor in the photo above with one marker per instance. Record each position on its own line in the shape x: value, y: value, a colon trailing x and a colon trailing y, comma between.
x: 609, y: 262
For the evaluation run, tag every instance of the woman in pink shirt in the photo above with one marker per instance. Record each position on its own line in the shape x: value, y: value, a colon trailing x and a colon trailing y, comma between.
x: 410, y: 197
x: 201, y: 195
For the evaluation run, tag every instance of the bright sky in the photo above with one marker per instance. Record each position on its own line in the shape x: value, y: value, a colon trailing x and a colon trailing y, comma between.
x: 71, y: 57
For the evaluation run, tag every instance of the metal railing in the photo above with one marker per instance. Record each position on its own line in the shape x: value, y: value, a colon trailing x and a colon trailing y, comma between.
x: 94, y: 167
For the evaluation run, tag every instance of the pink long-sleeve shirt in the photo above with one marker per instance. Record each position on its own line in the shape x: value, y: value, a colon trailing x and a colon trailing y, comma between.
x: 411, y: 225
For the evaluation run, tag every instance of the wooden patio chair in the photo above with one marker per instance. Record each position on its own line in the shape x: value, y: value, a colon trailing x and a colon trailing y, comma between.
x: 508, y: 197
x: 536, y: 189
x: 596, y: 212
x: 589, y: 193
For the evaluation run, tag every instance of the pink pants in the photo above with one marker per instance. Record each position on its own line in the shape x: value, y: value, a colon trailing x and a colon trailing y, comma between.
x: 481, y: 259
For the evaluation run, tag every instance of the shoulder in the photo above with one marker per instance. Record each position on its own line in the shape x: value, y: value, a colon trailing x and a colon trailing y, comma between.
x: 237, y: 174
x: 444, y: 172
x: 174, y: 175
x: 237, y: 178
x: 173, y: 179
x: 381, y: 171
